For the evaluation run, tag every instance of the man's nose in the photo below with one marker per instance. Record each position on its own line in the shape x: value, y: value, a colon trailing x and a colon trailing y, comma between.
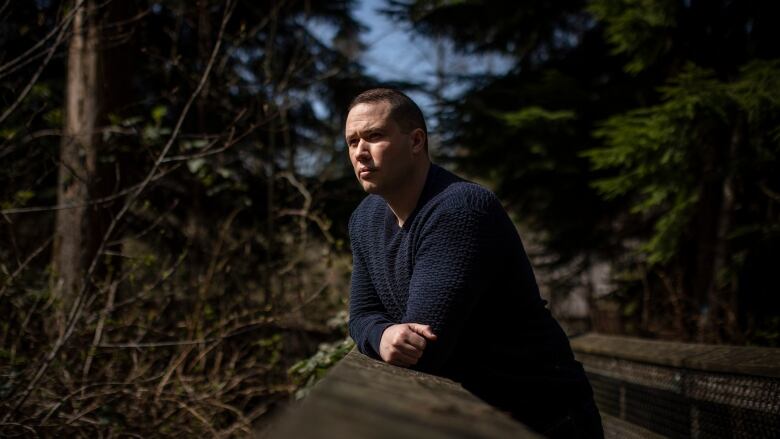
x: 362, y: 149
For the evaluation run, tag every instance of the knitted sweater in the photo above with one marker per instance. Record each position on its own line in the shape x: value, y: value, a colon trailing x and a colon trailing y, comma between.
x: 458, y: 265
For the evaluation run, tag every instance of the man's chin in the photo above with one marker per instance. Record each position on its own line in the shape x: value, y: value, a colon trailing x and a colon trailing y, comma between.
x: 370, y: 187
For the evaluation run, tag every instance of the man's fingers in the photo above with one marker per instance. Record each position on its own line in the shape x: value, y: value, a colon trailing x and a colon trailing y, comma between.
x: 410, y: 350
x: 400, y: 358
x: 423, y: 330
x: 416, y: 340
x: 403, y: 344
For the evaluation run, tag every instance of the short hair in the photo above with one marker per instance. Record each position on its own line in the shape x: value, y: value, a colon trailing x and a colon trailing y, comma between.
x: 403, y: 110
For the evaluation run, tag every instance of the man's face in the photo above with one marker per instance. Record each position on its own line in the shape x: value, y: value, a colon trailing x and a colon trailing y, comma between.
x: 381, y: 154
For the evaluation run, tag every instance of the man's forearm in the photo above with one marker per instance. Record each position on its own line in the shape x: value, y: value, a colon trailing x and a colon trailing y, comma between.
x: 366, y: 331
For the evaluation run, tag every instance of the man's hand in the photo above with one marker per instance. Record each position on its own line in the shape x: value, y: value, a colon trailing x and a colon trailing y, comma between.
x: 403, y: 344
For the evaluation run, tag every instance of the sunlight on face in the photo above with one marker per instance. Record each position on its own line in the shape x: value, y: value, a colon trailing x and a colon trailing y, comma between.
x: 380, y: 152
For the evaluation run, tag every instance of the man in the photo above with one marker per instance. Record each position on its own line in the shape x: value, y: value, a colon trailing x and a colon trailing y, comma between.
x: 441, y: 282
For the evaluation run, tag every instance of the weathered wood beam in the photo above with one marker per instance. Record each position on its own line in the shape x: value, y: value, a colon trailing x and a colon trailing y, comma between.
x: 743, y: 360
x: 365, y: 398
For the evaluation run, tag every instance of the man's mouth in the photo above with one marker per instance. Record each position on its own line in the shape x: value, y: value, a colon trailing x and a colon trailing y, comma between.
x: 365, y: 171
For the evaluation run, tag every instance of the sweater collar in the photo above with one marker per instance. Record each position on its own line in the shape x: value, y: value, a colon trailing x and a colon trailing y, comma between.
x: 436, y: 181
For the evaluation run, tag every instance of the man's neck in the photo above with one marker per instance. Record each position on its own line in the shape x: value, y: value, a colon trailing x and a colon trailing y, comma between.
x: 403, y: 202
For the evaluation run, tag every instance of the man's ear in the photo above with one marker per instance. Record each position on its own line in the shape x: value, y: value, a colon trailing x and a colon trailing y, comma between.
x: 418, y: 140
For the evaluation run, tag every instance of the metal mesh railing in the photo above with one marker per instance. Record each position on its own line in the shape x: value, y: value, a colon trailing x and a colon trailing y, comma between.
x: 681, y: 402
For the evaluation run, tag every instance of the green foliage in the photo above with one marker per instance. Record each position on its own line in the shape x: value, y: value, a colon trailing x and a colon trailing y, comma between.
x: 768, y: 333
x: 22, y: 197
x: 657, y: 150
x: 158, y: 113
x: 54, y: 118
x: 639, y: 29
x: 307, y: 372
x: 757, y: 93
x: 529, y: 117
x: 7, y: 133
x: 640, y: 132
x: 531, y: 29
x: 41, y: 91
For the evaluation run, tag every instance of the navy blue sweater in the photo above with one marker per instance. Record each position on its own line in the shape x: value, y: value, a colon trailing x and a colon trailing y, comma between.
x: 458, y: 265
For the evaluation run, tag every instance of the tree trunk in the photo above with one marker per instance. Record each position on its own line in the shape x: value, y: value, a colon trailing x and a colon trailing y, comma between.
x: 99, y: 66
x: 713, y: 226
x: 74, y: 244
x: 271, y: 115
x: 721, y: 296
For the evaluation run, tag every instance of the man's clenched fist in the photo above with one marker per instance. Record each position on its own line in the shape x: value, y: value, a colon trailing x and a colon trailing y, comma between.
x: 403, y: 344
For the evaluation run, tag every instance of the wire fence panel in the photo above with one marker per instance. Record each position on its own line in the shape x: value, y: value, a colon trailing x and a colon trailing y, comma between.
x: 671, y: 398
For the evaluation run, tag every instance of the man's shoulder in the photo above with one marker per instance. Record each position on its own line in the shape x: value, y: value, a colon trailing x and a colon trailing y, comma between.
x: 368, y: 208
x: 468, y: 195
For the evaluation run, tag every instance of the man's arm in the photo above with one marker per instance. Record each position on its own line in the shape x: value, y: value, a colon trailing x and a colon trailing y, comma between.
x: 451, y: 273
x: 368, y: 318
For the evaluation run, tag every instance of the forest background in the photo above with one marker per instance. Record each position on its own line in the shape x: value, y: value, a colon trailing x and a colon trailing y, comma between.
x: 174, y: 188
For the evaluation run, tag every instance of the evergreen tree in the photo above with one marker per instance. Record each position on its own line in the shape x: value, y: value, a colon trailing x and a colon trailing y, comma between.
x: 643, y: 133
x: 700, y: 164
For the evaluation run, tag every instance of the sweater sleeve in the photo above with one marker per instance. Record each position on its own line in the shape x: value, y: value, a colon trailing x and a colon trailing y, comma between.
x: 451, y: 273
x: 368, y: 317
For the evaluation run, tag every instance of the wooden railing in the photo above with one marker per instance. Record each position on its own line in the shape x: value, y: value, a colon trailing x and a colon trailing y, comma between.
x: 644, y: 389
x: 364, y: 398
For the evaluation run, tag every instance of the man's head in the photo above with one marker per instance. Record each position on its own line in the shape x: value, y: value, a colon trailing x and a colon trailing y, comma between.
x: 386, y: 137
x: 403, y: 110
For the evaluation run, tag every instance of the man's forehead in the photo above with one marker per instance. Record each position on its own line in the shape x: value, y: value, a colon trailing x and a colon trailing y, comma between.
x: 368, y: 115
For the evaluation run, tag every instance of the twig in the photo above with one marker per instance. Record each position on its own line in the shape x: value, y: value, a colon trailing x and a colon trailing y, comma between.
x: 96, y: 201
x: 91, y: 408
x: 174, y: 364
x: 768, y: 192
x: 34, y: 78
x: 228, y: 143
x: 245, y: 423
x: 67, y: 397
x: 154, y: 224
x: 21, y: 267
x: 243, y: 328
x: 63, y: 24
x: 167, y: 274
x: 160, y: 344
x: 57, y: 132
x: 16, y: 424
x: 99, y: 328
x: 199, y: 417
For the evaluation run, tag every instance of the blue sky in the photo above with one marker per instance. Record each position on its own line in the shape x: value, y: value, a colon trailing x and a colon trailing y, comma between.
x: 394, y: 53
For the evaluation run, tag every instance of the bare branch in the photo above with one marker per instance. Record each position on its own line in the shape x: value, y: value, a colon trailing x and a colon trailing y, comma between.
x: 57, y: 29
x: 96, y: 201
x: 34, y: 79
x: 99, y: 329
x: 78, y: 304
x: 21, y: 267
